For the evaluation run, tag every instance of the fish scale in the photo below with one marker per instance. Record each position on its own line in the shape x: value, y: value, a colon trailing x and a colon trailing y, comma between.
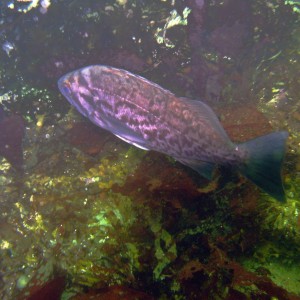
x: 144, y: 114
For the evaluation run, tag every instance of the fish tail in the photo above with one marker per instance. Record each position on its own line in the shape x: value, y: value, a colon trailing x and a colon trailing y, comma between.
x: 263, y: 162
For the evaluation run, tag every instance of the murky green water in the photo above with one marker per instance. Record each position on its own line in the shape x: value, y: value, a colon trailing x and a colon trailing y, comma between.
x: 84, y: 214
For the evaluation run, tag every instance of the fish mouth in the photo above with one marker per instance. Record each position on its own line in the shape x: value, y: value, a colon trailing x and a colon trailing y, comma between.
x: 64, y: 86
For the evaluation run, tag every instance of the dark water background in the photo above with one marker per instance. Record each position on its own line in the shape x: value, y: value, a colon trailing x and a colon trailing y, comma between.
x: 83, y: 213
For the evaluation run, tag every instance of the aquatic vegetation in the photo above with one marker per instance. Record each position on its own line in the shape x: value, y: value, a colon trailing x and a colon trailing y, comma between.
x: 295, y: 5
x: 278, y: 262
x: 173, y: 20
x: 103, y: 219
x: 165, y: 250
x: 90, y: 216
x: 108, y: 254
x: 108, y: 174
x: 26, y: 6
x: 277, y: 253
x: 101, y: 234
x: 283, y: 221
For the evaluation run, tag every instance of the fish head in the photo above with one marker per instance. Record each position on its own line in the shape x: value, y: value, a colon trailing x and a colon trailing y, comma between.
x: 85, y: 90
x: 70, y: 88
x: 64, y: 86
x: 76, y: 89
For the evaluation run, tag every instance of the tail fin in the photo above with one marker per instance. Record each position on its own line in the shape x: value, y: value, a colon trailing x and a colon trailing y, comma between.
x: 263, y: 163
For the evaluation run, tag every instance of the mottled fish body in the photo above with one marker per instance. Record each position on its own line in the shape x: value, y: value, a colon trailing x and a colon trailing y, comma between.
x: 150, y: 117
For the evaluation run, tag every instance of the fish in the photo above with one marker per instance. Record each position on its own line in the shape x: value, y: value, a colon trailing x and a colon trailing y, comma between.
x: 150, y: 117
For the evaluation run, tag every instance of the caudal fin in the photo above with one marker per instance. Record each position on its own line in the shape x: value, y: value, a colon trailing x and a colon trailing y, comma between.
x: 264, y: 160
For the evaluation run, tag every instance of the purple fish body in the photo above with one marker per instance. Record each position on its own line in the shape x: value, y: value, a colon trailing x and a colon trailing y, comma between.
x: 152, y: 118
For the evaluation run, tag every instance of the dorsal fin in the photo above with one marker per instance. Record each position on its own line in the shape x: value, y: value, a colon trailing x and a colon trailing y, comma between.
x: 206, y: 113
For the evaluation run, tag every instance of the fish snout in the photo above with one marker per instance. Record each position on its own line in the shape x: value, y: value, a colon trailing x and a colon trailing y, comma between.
x: 64, y: 86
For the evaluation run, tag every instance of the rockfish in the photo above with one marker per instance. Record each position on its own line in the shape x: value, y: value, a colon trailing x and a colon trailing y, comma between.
x: 144, y: 114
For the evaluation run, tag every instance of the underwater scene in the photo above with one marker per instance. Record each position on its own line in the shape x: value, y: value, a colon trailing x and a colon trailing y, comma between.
x: 149, y: 149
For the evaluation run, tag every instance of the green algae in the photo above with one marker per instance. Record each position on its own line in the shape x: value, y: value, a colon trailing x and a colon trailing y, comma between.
x: 91, y: 221
x: 174, y: 20
x: 268, y: 259
x: 281, y: 220
x: 68, y: 205
x: 277, y: 255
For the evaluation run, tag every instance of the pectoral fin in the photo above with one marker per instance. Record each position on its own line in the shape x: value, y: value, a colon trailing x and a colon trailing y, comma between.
x: 131, y: 142
x: 125, y: 133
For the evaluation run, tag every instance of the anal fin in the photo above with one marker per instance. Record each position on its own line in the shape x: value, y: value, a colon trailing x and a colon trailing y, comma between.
x: 204, y: 168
